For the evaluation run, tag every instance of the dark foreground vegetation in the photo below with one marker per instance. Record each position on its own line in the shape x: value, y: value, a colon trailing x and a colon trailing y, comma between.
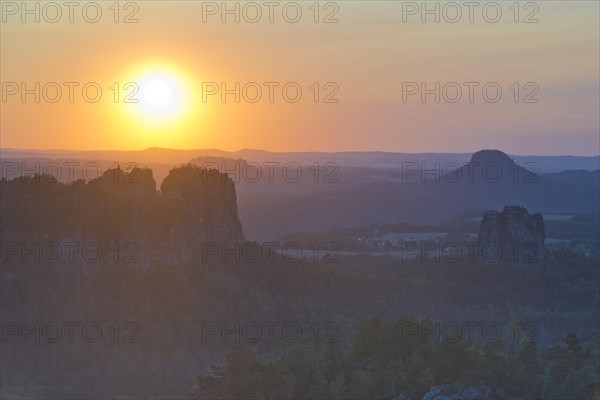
x: 162, y: 326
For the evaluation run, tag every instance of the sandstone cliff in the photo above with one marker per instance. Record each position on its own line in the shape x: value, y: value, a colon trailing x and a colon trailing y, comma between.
x: 120, y: 214
x: 512, y: 236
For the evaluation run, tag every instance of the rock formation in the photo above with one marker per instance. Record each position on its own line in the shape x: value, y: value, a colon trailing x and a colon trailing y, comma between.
x: 512, y: 236
x: 120, y: 213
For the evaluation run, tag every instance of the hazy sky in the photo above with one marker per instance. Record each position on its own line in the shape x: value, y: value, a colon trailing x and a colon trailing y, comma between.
x: 374, y: 61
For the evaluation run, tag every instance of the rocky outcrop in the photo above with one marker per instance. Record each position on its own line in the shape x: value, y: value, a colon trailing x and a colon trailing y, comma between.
x: 205, y: 204
x: 122, y: 215
x: 512, y: 236
x: 139, y: 182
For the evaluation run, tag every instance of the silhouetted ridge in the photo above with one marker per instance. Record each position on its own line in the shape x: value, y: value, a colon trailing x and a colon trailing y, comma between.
x: 196, y: 206
x: 139, y: 181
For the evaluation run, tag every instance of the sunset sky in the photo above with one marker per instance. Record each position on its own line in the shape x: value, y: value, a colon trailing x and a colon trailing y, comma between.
x: 367, y: 55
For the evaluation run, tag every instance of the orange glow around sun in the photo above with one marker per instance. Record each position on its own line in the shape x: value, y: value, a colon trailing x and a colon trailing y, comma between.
x: 157, y: 102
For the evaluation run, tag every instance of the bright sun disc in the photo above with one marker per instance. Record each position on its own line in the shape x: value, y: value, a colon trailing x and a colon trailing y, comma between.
x: 157, y: 103
x: 159, y: 96
x: 158, y: 93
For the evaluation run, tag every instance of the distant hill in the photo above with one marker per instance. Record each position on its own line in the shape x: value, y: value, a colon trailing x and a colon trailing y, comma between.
x: 493, y: 179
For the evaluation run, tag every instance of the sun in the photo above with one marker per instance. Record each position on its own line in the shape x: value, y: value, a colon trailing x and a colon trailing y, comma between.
x: 160, y: 96
x: 155, y: 96
x: 156, y: 103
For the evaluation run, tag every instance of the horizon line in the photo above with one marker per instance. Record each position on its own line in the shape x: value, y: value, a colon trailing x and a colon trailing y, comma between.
x: 287, y: 151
